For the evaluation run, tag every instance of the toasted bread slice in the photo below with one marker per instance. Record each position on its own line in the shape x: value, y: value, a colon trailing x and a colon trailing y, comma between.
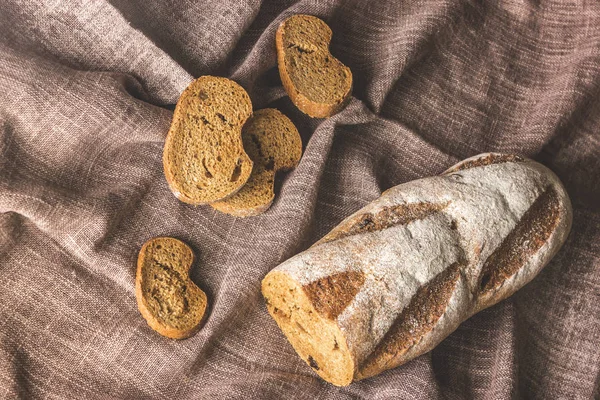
x: 273, y: 143
x: 167, y: 298
x: 317, y: 83
x: 204, y: 158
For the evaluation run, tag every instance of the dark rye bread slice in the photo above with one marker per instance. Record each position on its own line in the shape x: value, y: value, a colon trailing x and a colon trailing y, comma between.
x: 204, y: 158
x: 167, y: 298
x: 394, y: 279
x: 317, y: 83
x: 273, y: 144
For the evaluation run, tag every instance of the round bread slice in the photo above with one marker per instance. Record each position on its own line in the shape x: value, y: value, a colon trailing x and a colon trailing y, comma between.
x: 204, y: 158
x: 273, y: 143
x: 166, y: 296
x: 317, y: 83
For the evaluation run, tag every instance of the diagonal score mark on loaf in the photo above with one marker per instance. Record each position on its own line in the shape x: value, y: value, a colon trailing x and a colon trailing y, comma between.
x: 489, y: 159
x: 527, y: 237
x: 431, y: 300
x: 415, y: 321
x: 387, y: 217
x: 388, y: 320
x: 332, y: 294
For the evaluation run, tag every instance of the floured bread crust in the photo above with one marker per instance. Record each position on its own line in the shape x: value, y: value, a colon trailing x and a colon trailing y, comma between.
x: 273, y: 144
x: 399, y: 275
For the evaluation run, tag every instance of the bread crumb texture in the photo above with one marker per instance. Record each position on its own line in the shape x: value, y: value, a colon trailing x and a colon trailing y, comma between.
x: 316, y: 338
x: 204, y: 158
x: 167, y: 298
x: 317, y: 83
x: 273, y: 144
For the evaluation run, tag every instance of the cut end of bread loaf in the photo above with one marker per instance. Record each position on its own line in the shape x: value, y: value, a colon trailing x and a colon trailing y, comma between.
x: 273, y: 144
x: 317, y: 83
x: 316, y: 338
x: 204, y: 158
x: 167, y: 298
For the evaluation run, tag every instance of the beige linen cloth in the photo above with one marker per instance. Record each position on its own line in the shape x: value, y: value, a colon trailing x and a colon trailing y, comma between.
x: 87, y: 90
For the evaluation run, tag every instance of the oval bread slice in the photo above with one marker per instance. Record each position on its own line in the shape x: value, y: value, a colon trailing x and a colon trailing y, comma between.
x: 167, y: 298
x: 317, y: 82
x: 274, y: 144
x: 204, y: 158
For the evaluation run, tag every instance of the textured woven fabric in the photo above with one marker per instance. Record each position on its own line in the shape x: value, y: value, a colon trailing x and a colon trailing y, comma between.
x: 87, y: 90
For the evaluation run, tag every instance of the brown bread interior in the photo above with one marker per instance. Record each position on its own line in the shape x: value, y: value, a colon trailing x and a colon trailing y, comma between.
x: 171, y: 303
x: 204, y: 158
x: 317, y: 339
x: 318, y: 83
x: 273, y: 144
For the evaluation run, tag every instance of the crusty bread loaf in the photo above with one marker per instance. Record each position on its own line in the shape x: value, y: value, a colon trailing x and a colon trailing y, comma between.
x: 395, y: 278
x: 204, y: 158
x: 167, y: 298
x: 317, y: 83
x: 273, y: 144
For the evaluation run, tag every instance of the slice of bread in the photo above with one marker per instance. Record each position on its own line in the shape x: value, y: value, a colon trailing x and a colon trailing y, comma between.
x: 167, y: 298
x: 204, y: 158
x: 317, y: 83
x: 274, y: 144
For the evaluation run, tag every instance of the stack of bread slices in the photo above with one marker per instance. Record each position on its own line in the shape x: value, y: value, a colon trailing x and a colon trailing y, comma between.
x: 219, y: 152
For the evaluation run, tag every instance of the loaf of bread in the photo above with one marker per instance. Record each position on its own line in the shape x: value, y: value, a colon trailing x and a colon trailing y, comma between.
x: 167, y: 298
x: 317, y: 82
x: 394, y: 279
x: 273, y: 144
x: 204, y: 158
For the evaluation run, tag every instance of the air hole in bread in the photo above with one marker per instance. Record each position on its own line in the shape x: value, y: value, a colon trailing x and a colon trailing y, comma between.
x: 280, y: 313
x: 206, y: 171
x: 257, y: 144
x: 222, y: 117
x: 236, y: 171
x: 270, y: 165
x: 366, y: 222
x: 301, y: 328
